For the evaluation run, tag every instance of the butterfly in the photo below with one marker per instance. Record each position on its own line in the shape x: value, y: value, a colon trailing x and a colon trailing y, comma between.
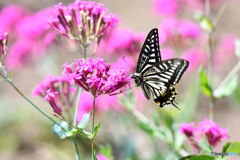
x: 155, y: 76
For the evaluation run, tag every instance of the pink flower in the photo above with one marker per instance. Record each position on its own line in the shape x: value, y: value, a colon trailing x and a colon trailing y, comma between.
x: 33, y: 42
x: 82, y: 20
x: 121, y: 41
x: 10, y: 16
x: 224, y: 46
x: 166, y: 8
x: 187, y: 129
x: 213, y: 132
x: 199, y: 5
x: 103, y: 104
x: 188, y: 29
x: 195, y: 57
x: 50, y: 98
x: 166, y: 53
x: 101, y: 157
x: 178, y: 34
x: 93, y: 76
x: 66, y: 94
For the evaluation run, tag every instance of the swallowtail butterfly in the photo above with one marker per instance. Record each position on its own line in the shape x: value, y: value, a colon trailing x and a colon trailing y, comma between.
x: 155, y: 76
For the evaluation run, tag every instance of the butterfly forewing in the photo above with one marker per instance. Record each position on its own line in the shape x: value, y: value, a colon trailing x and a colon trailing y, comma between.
x: 150, y: 53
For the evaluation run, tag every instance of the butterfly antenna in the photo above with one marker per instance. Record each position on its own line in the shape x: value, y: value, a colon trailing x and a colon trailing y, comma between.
x: 175, y: 105
x: 127, y: 63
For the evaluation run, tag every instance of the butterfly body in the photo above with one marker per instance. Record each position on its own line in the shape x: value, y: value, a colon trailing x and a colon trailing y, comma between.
x: 157, y: 77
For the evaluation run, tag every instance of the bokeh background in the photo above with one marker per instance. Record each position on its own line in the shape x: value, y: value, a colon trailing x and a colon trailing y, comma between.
x: 26, y: 134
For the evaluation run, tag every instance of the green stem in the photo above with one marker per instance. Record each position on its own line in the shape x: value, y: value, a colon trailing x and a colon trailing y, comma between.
x: 77, y: 105
x: 40, y: 110
x: 233, y: 72
x: 220, y: 13
x: 74, y: 123
x: 93, y: 115
x: 76, y: 148
x: 84, y: 52
x: 210, y: 61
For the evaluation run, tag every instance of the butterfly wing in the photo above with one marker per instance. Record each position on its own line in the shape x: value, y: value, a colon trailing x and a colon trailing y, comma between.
x: 158, y: 78
x: 169, y: 71
x: 150, y: 53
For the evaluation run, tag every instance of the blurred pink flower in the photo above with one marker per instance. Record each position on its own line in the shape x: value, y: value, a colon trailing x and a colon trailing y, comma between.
x: 213, y: 132
x: 199, y: 5
x: 121, y: 41
x: 66, y: 94
x: 101, y: 157
x: 93, y: 76
x: 38, y: 27
x: 178, y: 34
x: 187, y: 129
x: 103, y: 104
x: 10, y: 16
x: 195, y: 56
x: 224, y: 47
x: 20, y: 54
x: 166, y: 53
x: 166, y: 8
x: 33, y: 42
x: 188, y: 29
x: 121, y: 64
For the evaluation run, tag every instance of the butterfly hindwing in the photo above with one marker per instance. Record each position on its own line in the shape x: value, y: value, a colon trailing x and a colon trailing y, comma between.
x: 169, y: 71
x: 150, y: 53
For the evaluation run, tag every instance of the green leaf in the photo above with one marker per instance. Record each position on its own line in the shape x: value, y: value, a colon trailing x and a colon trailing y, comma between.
x: 205, y: 145
x: 228, y: 88
x: 95, y: 130
x: 165, y: 134
x: 202, y: 157
x: 11, y: 74
x: 106, y: 151
x: 225, y: 147
x: 235, y: 147
x: 84, y: 133
x: 64, y: 131
x: 205, y: 87
x: 179, y: 140
x: 146, y: 127
x: 197, y: 157
x: 84, y: 120
x: 156, y: 118
x: 204, y: 22
x: 237, y: 48
x: 128, y: 102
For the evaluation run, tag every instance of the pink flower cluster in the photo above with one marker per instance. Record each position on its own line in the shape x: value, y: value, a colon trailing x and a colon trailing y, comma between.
x: 213, y: 132
x: 82, y: 20
x: 174, y: 7
x: 121, y: 41
x: 30, y: 35
x: 58, y: 90
x: 177, y: 33
x: 93, y: 76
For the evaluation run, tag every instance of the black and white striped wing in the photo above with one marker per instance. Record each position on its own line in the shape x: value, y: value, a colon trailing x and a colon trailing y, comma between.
x: 158, y: 77
x: 169, y: 71
x: 150, y: 53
